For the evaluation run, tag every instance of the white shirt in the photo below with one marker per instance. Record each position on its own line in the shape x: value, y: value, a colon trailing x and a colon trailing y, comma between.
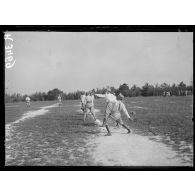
x: 114, y: 108
x: 110, y: 97
x: 27, y: 99
x: 123, y: 108
x: 89, y: 99
x: 59, y: 98
x: 83, y: 98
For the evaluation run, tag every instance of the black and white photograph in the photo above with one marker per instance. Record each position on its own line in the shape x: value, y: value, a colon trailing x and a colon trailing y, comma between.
x: 100, y: 98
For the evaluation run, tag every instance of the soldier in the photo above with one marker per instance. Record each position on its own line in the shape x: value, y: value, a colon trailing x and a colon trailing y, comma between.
x: 60, y: 100
x: 82, y: 98
x: 89, y: 105
x: 27, y: 101
x: 113, y: 110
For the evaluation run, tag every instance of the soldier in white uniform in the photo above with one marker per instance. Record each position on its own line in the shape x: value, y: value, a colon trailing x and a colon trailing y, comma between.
x: 89, y: 105
x: 60, y: 100
x: 113, y: 110
x: 27, y: 101
x: 82, y: 98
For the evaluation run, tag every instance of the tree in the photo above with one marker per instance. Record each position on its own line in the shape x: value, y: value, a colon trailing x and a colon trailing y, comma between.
x: 53, y: 94
x: 44, y: 96
x: 16, y: 97
x: 157, y: 90
x: 189, y: 88
x: 124, y: 89
x: 7, y: 98
x: 181, y: 88
x: 135, y: 91
x: 165, y: 87
x: 174, y: 89
x: 148, y: 90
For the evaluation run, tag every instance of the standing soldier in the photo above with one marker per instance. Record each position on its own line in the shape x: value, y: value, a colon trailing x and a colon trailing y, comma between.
x: 27, y: 101
x: 82, y: 98
x: 89, y: 105
x: 60, y: 100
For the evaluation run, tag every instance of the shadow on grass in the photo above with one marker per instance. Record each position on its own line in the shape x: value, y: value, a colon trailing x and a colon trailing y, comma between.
x: 86, y: 131
x: 88, y: 124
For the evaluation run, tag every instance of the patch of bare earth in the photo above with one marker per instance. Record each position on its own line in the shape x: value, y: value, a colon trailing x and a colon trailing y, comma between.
x: 122, y: 149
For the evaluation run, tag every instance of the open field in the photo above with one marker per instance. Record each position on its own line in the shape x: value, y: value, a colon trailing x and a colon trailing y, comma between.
x: 53, y: 136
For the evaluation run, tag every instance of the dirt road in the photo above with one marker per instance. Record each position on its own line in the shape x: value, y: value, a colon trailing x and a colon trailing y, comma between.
x: 123, y: 149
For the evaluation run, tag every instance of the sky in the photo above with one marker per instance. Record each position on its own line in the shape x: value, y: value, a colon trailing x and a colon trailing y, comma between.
x: 73, y: 61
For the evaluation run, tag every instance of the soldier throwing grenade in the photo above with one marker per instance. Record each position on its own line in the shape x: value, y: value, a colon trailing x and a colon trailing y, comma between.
x: 113, y: 110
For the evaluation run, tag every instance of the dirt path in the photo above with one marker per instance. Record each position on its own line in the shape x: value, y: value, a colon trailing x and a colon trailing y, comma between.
x: 122, y: 149
x: 30, y: 114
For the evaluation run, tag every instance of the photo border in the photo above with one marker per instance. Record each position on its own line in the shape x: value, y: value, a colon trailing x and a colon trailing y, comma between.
x: 83, y: 28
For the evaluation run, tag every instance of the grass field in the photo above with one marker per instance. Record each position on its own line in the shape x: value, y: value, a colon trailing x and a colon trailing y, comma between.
x: 60, y: 137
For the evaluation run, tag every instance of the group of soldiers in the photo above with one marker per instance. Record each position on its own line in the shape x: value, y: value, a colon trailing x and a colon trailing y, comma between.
x: 113, y: 109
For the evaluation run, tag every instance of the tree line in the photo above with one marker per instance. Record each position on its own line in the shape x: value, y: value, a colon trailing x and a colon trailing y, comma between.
x: 146, y: 90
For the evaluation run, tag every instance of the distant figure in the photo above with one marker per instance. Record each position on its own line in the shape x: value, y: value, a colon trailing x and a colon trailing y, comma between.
x: 27, y: 101
x: 82, y: 98
x: 113, y: 110
x: 168, y: 93
x: 59, y: 100
x: 89, y: 105
x: 186, y: 93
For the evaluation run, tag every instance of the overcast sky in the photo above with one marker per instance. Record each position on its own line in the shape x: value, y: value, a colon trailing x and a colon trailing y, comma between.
x: 74, y: 61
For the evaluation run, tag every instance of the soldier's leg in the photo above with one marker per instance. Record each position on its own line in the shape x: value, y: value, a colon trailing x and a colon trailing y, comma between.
x: 93, y: 112
x: 124, y: 125
x: 117, y: 125
x: 82, y: 107
x: 107, y: 128
x: 85, y: 113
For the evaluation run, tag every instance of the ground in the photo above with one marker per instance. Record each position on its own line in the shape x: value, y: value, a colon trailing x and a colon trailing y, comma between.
x: 48, y: 135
